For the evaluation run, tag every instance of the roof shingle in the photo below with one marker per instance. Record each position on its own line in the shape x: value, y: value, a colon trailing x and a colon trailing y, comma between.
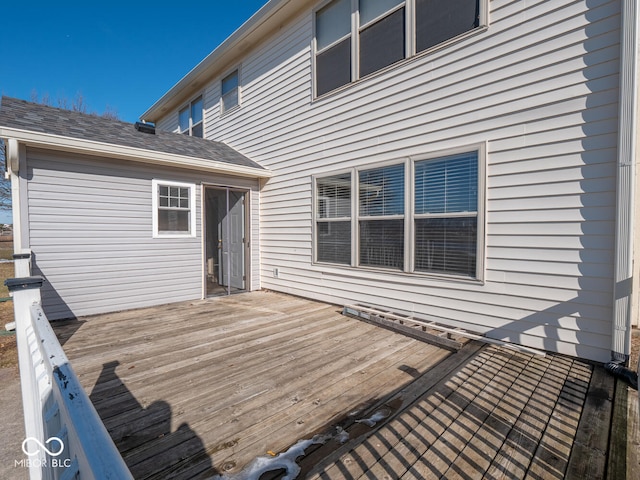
x: 33, y: 117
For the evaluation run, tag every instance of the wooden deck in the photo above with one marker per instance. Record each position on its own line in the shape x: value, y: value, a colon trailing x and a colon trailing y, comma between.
x: 198, y: 389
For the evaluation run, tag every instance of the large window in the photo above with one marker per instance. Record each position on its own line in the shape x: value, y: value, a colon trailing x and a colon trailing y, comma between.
x: 190, y: 118
x: 173, y: 209
x: 434, y: 228
x: 382, y: 33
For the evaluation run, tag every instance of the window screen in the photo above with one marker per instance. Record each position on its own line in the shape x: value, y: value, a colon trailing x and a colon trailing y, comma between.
x: 440, y: 20
x: 382, y: 43
x: 333, y: 46
x: 333, y: 67
x: 446, y: 245
x: 382, y: 243
x: 184, y: 120
x: 332, y: 23
x: 372, y: 9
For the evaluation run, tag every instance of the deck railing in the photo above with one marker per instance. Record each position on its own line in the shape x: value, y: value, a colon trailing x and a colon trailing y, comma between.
x: 65, y: 438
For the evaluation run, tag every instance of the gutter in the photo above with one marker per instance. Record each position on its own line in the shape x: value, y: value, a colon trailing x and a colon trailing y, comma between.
x: 92, y: 147
x: 623, y: 295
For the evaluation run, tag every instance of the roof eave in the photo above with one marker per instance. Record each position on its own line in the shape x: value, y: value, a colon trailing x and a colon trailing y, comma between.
x: 123, y: 152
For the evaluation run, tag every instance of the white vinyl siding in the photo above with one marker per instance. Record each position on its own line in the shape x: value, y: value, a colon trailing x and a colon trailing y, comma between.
x: 540, y: 86
x: 91, y: 233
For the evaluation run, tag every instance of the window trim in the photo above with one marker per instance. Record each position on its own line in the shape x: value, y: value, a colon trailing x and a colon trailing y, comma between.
x: 402, y: 216
x: 155, y: 204
x: 410, y: 42
x: 189, y: 107
x: 409, y: 215
x: 314, y: 214
x: 238, y: 90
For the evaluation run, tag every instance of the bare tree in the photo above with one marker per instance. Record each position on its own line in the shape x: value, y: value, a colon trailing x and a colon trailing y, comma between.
x: 77, y: 104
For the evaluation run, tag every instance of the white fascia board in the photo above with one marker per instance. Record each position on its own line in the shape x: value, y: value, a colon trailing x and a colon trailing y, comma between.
x: 91, y: 147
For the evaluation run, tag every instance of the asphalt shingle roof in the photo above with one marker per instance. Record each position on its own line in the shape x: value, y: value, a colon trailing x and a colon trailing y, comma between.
x: 33, y: 117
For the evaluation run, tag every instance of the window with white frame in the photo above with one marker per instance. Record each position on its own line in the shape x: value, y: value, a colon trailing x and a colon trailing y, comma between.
x: 191, y: 119
x: 230, y: 97
x: 382, y: 33
x: 173, y: 209
x: 446, y: 214
x: 434, y: 228
x: 333, y: 214
x: 381, y: 216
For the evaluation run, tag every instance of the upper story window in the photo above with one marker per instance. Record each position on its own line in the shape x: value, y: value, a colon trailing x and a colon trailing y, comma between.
x: 382, y: 33
x: 230, y: 97
x: 191, y: 122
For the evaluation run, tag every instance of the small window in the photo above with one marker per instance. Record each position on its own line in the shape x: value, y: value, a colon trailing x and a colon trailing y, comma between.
x: 173, y: 209
x: 333, y: 46
x: 381, y: 217
x: 333, y: 219
x: 230, y: 92
x: 446, y: 214
x: 191, y: 119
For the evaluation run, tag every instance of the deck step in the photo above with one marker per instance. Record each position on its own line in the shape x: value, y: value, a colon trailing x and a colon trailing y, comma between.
x: 426, y: 330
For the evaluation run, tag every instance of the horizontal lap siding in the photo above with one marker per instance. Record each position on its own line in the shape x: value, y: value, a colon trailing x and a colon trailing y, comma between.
x: 540, y: 86
x: 90, y: 222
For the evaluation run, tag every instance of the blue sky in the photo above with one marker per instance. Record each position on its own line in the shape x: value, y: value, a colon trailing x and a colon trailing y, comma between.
x: 120, y: 55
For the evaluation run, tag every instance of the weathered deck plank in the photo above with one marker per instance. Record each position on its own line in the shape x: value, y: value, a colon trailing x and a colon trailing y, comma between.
x: 201, y: 388
x: 204, y: 387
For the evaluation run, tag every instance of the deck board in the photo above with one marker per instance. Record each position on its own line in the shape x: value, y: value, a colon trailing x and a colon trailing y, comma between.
x: 201, y: 388
x: 221, y: 381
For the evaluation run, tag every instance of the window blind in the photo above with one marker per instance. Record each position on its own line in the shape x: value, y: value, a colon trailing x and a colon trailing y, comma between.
x: 333, y: 219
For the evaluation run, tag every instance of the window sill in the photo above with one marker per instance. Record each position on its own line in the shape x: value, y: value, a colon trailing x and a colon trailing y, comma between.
x: 398, y: 275
x: 174, y: 235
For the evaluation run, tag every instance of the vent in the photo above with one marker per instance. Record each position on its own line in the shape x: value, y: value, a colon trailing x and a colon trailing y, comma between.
x: 146, y: 127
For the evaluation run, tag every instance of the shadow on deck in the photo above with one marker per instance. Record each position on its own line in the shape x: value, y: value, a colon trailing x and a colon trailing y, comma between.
x: 200, y: 389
